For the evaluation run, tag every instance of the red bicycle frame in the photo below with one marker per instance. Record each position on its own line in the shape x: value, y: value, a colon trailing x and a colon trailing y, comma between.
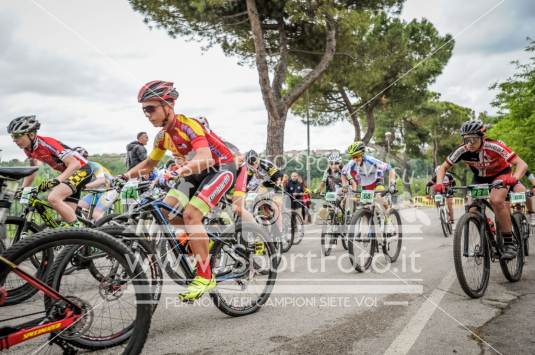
x: 10, y: 336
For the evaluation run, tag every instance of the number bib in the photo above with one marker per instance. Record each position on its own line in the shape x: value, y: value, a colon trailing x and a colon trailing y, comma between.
x: 480, y: 192
x: 367, y: 196
x: 439, y: 198
x: 330, y: 196
x: 517, y: 197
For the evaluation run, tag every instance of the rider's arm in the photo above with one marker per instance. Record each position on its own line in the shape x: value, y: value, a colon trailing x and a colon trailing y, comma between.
x: 202, y: 160
x: 322, y: 185
x: 442, y: 169
x: 29, y: 179
x: 521, y: 167
x: 99, y: 182
x: 72, y: 164
x: 143, y: 168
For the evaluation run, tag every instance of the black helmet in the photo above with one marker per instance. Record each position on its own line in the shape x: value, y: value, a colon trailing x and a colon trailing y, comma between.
x: 473, y: 127
x: 23, y: 124
x: 251, y: 157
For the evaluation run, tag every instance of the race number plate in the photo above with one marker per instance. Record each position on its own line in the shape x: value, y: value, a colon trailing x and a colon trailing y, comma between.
x: 480, y: 192
x: 130, y: 193
x: 439, y: 198
x: 517, y: 197
x: 330, y: 196
x: 25, y: 195
x: 366, y: 196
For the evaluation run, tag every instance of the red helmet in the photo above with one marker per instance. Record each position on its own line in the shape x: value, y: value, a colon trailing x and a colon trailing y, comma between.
x: 157, y: 90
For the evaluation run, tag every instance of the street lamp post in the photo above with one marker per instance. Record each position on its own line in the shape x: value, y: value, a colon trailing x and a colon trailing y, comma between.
x: 308, y: 142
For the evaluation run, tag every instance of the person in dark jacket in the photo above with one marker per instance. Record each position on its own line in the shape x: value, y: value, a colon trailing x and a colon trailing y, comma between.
x: 136, y: 151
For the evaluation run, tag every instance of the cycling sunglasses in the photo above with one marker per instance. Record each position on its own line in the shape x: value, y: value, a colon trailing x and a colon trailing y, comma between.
x: 17, y: 135
x: 334, y: 163
x: 471, y: 140
x: 150, y: 109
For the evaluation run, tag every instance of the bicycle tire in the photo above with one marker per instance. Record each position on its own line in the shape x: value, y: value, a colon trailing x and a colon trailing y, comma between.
x: 143, y: 248
x: 227, y: 307
x: 463, y: 222
x: 327, y: 237
x: 361, y: 264
x: 525, y: 229
x: 25, y: 291
x: 76, y: 237
x: 298, y: 228
x: 516, y: 275
x: 386, y: 246
x: 444, y: 223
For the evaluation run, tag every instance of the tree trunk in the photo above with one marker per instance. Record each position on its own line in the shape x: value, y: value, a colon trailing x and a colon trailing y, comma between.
x: 275, y: 139
x: 277, y: 106
x: 353, y: 114
x: 435, y: 152
x: 370, y: 119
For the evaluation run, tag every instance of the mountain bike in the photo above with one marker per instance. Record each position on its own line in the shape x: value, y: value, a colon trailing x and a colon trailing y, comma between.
x: 372, y: 226
x: 241, y: 258
x: 477, y: 241
x: 447, y: 226
x: 335, y: 227
x: 518, y: 207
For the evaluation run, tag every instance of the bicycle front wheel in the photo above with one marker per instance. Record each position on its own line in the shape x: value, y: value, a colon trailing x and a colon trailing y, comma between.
x: 392, y: 235
x: 471, y: 255
x: 361, y: 240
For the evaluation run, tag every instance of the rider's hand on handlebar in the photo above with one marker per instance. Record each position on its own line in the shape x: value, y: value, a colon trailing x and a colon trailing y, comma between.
x: 509, y: 180
x: 118, y: 182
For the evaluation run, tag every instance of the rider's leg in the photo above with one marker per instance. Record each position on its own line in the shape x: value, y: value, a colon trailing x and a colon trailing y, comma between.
x: 449, y: 203
x: 499, y: 205
x: 57, y: 197
x: 198, y: 240
x: 238, y: 206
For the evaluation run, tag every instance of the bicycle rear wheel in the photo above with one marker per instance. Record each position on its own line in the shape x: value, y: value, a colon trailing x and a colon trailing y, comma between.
x: 298, y: 228
x: 245, y: 269
x: 361, y: 240
x: 512, y: 269
x: 471, y: 255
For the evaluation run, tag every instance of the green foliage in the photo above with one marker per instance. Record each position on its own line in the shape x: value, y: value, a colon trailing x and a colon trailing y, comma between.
x: 516, y: 102
x: 380, y: 60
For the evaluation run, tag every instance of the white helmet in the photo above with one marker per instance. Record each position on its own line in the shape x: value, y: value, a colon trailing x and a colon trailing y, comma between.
x: 334, y: 157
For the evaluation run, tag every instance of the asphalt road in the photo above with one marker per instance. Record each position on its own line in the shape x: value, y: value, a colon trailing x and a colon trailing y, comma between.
x: 320, y: 305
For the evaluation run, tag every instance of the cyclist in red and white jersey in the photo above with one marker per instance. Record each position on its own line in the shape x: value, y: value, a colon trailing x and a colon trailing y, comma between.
x: 490, y: 161
x: 208, y: 174
x: 74, y: 171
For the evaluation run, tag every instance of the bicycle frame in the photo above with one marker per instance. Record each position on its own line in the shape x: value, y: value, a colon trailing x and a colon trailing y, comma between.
x: 10, y: 336
x: 155, y: 208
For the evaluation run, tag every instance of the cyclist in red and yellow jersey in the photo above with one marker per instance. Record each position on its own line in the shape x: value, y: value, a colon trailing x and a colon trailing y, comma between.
x: 208, y: 175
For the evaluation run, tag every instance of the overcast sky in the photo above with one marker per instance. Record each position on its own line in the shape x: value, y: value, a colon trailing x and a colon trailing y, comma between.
x: 78, y: 66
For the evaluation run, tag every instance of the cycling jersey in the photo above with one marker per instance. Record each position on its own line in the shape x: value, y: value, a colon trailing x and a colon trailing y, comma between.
x: 332, y: 179
x: 100, y: 171
x: 368, y: 172
x: 186, y: 135
x: 492, y: 159
x: 267, y: 172
x: 52, y: 152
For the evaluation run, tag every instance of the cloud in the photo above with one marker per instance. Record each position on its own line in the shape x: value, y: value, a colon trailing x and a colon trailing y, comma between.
x: 26, y: 70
